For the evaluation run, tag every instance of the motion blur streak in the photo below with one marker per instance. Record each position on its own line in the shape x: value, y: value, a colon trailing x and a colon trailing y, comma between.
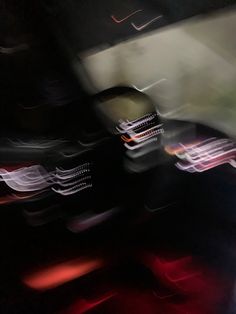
x: 177, y: 149
x: 127, y: 125
x: 88, y: 220
x: 7, y: 199
x: 36, y: 178
x: 26, y: 179
x: 204, y: 155
x: 142, y: 136
x: 149, y: 86
x: 10, y: 50
x: 82, y: 305
x: 57, y: 275
x: 40, y: 144
x: 140, y: 132
x: 141, y: 27
x: 140, y: 145
x: 116, y: 20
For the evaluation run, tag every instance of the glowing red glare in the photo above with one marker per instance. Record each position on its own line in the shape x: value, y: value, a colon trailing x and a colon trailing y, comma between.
x: 187, y: 275
x: 175, y: 271
x: 57, y: 275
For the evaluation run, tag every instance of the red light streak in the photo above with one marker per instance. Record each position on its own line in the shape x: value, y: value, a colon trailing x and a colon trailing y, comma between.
x: 82, y: 305
x: 54, y: 276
